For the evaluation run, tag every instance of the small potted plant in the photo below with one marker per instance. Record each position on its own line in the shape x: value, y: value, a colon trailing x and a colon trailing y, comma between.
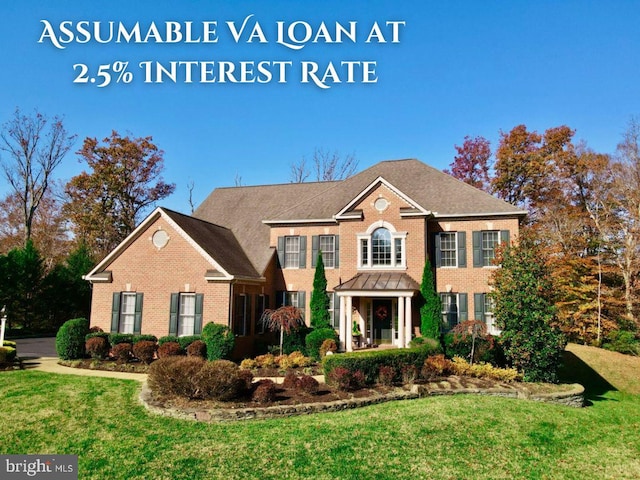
x: 357, y: 334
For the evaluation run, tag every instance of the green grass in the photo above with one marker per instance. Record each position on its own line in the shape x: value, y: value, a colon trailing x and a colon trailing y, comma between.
x: 442, y: 437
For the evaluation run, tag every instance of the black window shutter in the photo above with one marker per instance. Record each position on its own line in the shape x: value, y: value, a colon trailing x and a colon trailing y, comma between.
x: 462, y: 249
x: 173, y: 314
x: 336, y: 310
x: 197, y: 323
x: 303, y: 252
x: 477, y: 249
x: 463, y: 311
x: 115, y: 312
x: 504, y: 236
x: 301, y: 301
x: 336, y: 257
x: 478, y: 306
x: 247, y: 315
x: 436, y: 249
x: 137, y: 319
x: 280, y: 298
x: 315, y: 246
x: 280, y: 250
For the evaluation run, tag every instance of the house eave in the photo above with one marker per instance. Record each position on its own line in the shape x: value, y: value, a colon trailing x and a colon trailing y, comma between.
x: 515, y: 213
x: 299, y: 221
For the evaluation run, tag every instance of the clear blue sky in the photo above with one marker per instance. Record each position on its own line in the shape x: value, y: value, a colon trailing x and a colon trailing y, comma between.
x: 460, y: 68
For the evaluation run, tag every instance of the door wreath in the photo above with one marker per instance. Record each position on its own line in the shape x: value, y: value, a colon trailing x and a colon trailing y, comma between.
x: 382, y: 312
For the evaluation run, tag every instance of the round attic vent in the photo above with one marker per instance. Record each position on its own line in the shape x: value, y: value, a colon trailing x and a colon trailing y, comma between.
x: 381, y: 204
x: 160, y: 239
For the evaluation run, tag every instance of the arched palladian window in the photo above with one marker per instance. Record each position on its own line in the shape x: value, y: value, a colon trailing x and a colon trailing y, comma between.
x: 381, y: 247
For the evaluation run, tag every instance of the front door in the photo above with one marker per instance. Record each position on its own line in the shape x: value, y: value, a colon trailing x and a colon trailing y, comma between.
x: 382, y: 315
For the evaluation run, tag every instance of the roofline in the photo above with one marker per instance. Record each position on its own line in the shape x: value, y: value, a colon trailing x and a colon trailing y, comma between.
x: 375, y: 293
x: 309, y: 220
x: 391, y: 187
x: 520, y: 213
x: 153, y: 216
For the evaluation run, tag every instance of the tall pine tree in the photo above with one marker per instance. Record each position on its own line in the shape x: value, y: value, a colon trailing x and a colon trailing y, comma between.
x: 431, y: 309
x: 319, y: 299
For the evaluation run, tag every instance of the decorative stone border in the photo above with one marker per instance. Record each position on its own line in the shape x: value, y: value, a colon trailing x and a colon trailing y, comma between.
x: 572, y: 397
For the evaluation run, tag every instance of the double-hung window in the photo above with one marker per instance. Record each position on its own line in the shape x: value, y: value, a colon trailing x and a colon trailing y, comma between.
x: 185, y: 314
x: 484, y: 246
x: 454, y: 309
x: 292, y: 251
x: 126, y: 312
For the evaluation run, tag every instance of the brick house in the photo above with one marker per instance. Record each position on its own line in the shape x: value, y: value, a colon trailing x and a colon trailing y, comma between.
x: 250, y: 248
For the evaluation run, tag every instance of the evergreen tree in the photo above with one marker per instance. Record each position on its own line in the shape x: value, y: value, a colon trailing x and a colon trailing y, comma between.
x: 431, y: 309
x: 525, y: 312
x: 319, y: 299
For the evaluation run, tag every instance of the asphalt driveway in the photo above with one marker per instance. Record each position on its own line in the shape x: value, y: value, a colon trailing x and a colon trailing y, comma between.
x: 36, y: 347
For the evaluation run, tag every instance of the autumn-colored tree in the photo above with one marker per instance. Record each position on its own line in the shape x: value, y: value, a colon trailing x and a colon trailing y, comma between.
x: 48, y: 228
x: 283, y: 319
x: 472, y: 163
x: 125, y: 179
x: 33, y: 147
x: 326, y: 166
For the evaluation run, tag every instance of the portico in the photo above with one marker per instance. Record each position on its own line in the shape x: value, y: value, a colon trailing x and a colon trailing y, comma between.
x: 381, y: 305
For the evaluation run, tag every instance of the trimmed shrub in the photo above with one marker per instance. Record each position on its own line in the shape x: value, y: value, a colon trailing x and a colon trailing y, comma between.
x: 437, y: 366
x: 220, y: 380
x: 117, y: 338
x: 487, y: 348
x: 97, y: 347
x: 369, y: 363
x: 266, y: 361
x: 386, y: 375
x: 290, y: 381
x: 484, y: 370
x: 96, y: 329
x: 409, y: 374
x: 329, y: 345
x: 70, y: 339
x: 346, y: 380
x: 167, y: 338
x: 169, y: 349
x: 145, y: 350
x: 247, y: 378
x: 89, y: 335
x: 265, y: 391
x: 219, y: 340
x: 308, y: 384
x: 147, y: 338
x: 7, y: 355
x: 174, y: 376
x: 188, y: 340
x: 197, y: 349
x: 248, y: 364
x: 122, y: 352
x: 315, y: 339
x: 9, y: 343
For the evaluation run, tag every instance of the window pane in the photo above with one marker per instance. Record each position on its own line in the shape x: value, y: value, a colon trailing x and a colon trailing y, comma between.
x: 489, y: 241
x: 292, y: 252
x: 127, y: 312
x: 327, y: 247
x: 449, y: 309
x: 364, y: 250
x: 381, y: 247
x: 186, y: 319
x: 398, y: 250
x: 448, y: 250
x: 239, y: 316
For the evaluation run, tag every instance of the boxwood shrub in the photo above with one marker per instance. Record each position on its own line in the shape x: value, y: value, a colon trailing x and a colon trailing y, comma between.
x: 167, y: 338
x: 9, y: 343
x: 369, y: 362
x: 7, y: 355
x: 144, y: 338
x: 70, y: 339
x: 117, y: 338
x: 315, y: 339
x: 188, y: 340
x: 219, y: 340
x: 104, y: 335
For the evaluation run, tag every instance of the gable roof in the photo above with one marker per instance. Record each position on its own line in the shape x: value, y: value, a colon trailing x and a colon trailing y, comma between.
x: 217, y: 244
x: 243, y: 209
x: 433, y: 190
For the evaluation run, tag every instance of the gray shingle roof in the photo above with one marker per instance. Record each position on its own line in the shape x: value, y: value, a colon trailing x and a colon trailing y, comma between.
x: 243, y: 209
x: 219, y: 242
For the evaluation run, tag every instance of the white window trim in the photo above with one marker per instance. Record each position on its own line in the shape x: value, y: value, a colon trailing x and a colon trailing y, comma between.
x: 333, y: 266
x: 182, y: 316
x: 455, y: 236
x: 394, y: 235
x: 287, y: 251
x: 125, y: 314
x: 493, y: 267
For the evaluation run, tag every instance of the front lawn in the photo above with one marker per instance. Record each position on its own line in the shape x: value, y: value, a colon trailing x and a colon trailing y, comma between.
x: 440, y: 437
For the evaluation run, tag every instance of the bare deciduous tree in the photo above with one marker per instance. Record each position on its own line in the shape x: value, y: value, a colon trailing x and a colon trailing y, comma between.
x: 35, y: 146
x: 327, y: 166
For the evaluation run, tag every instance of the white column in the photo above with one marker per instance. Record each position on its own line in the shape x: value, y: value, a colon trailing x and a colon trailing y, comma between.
x: 349, y: 331
x: 408, y: 326
x: 401, y: 323
x: 343, y: 323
